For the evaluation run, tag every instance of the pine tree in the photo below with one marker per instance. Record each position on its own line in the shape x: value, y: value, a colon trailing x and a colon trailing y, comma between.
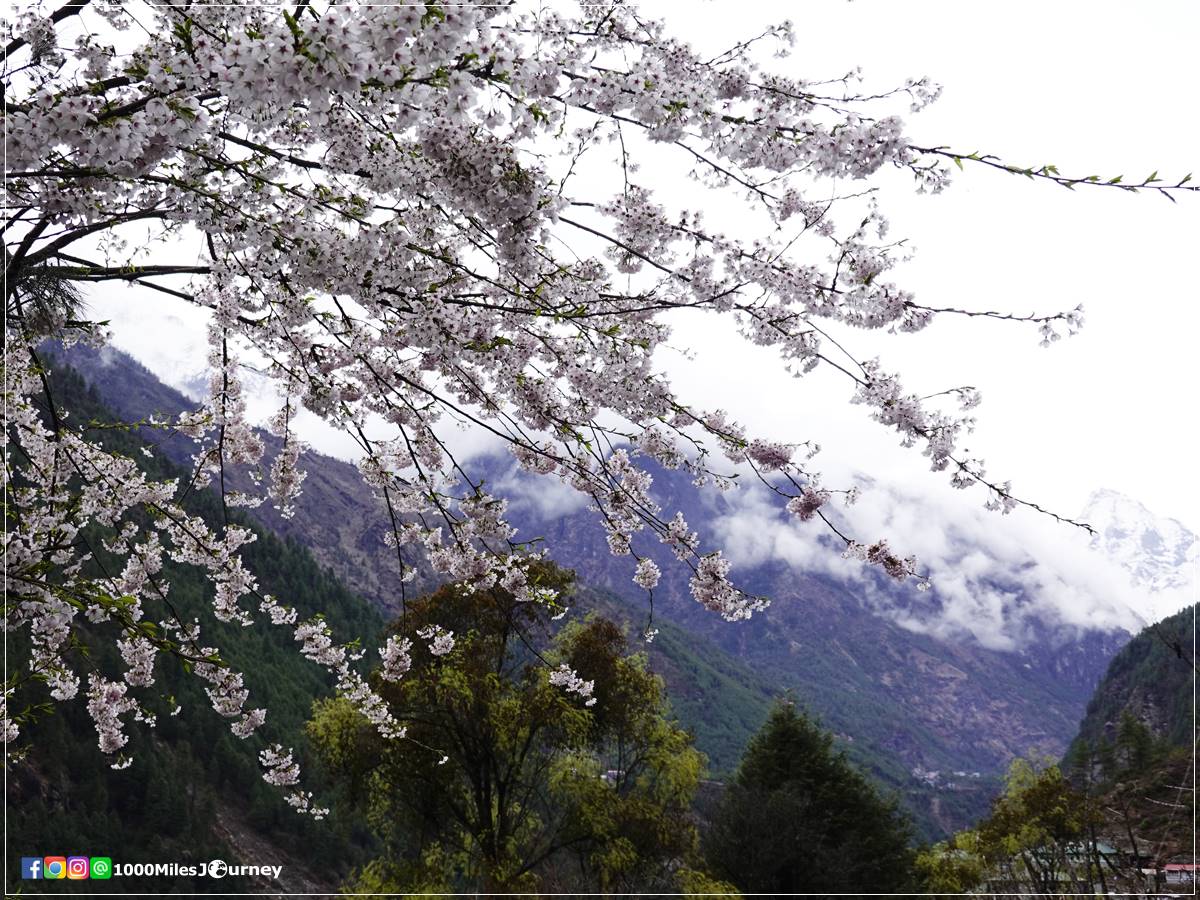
x: 800, y: 818
x: 1106, y: 754
x: 1135, y: 743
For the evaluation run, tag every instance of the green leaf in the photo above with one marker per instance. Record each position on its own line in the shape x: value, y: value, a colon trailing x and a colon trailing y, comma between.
x: 1116, y: 180
x: 958, y: 161
x: 433, y: 13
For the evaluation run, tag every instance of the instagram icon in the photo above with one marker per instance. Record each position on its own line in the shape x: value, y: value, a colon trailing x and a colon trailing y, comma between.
x: 77, y: 867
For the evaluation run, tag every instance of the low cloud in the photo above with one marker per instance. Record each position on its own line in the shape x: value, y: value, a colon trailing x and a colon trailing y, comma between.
x: 542, y: 498
x: 994, y: 578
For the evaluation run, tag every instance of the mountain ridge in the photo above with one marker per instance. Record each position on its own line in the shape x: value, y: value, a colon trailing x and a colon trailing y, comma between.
x: 910, y: 706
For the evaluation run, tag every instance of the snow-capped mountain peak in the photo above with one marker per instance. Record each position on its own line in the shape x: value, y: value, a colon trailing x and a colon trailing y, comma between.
x: 1160, y: 553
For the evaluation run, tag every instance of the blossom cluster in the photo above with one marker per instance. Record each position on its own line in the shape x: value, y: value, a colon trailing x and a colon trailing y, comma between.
x: 107, y: 702
x: 440, y: 640
x: 316, y: 644
x: 394, y: 658
x: 569, y: 680
x: 378, y: 196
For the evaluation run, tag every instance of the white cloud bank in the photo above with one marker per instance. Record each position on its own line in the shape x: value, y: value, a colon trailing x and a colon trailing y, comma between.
x: 994, y: 578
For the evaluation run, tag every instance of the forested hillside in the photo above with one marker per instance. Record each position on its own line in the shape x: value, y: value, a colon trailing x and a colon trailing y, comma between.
x: 1136, y: 747
x: 192, y: 786
x: 1118, y: 815
x: 194, y: 792
x: 1152, y: 678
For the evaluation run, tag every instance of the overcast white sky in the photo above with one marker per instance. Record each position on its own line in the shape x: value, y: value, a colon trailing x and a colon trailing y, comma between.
x: 1093, y: 88
x: 1103, y: 88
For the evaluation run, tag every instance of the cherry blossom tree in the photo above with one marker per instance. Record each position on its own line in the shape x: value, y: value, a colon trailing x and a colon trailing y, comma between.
x: 410, y: 217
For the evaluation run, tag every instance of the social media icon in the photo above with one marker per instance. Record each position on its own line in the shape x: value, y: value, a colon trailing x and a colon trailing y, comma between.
x: 56, y: 867
x: 101, y: 867
x: 31, y: 867
x: 77, y: 867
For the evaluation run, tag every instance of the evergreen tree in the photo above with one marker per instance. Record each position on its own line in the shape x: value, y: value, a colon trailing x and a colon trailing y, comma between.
x: 799, y: 818
x: 1106, y: 754
x: 1080, y: 764
x: 1135, y: 744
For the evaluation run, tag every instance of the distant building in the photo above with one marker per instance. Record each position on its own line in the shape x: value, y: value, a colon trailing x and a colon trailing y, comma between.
x: 1179, y: 873
x: 1074, y: 872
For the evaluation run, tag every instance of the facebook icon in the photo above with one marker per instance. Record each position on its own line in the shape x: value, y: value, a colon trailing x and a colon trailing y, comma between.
x: 31, y: 867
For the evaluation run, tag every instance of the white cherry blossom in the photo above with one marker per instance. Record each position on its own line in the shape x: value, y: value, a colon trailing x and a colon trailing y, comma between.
x: 372, y: 204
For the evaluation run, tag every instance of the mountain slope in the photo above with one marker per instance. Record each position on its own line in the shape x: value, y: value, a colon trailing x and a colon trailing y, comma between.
x: 192, y: 786
x: 913, y: 708
x: 1135, y: 750
x: 1153, y: 677
x: 922, y: 714
x: 337, y: 518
